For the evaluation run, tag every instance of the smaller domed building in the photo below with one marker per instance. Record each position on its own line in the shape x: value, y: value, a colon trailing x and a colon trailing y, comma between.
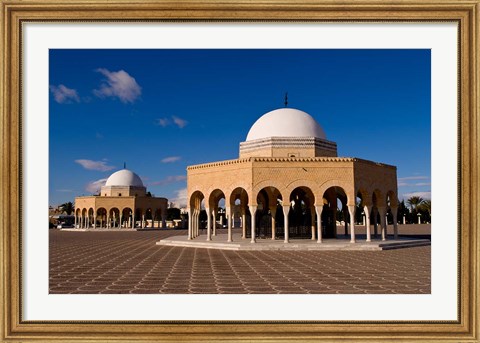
x: 122, y: 203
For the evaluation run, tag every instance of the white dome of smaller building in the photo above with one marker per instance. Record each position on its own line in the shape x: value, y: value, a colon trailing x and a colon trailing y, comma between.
x: 285, y: 122
x: 124, y: 177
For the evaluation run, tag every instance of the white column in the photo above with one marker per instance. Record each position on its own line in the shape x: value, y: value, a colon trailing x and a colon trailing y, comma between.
x: 319, y: 209
x: 108, y: 221
x: 244, y: 223
x: 94, y: 218
x: 75, y: 220
x: 214, y: 228
x: 312, y: 215
x: 403, y: 219
x: 209, y: 224
x: 194, y: 223
x: 366, y: 210
x: 133, y: 219
x: 419, y: 220
x: 143, y: 221
x: 253, y: 211
x: 395, y: 224
x: 382, y: 213
x: 228, y: 212
x: 189, y: 233
x: 351, y: 210
x: 121, y: 217
x: 286, y: 209
x: 273, y: 212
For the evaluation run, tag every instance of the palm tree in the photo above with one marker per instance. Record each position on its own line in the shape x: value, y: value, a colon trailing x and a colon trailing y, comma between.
x: 427, y: 206
x: 67, y: 207
x: 414, y: 202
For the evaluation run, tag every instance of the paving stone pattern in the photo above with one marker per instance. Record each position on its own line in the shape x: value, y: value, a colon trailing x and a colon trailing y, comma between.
x: 131, y: 262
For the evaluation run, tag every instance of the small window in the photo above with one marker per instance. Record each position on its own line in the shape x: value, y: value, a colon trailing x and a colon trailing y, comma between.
x: 291, y: 155
x: 119, y: 194
x: 105, y: 194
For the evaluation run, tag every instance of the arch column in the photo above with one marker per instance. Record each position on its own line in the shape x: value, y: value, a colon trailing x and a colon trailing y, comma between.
x: 366, y: 210
x: 319, y: 209
x: 244, y: 226
x: 194, y: 223
x: 273, y: 212
x: 75, y: 220
x: 345, y: 210
x: 253, y: 211
x: 312, y: 216
x: 228, y: 212
x: 94, y: 218
x: 394, y: 210
x: 382, y: 211
x: 214, y: 222
x: 351, y: 210
x: 189, y: 232
x: 286, y: 210
x: 209, y: 223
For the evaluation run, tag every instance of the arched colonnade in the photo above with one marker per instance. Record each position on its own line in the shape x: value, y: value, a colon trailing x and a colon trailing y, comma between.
x: 114, y: 217
x: 291, y: 212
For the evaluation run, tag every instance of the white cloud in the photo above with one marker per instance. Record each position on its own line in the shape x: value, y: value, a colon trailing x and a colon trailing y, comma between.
x: 94, y: 165
x: 171, y: 159
x: 118, y: 84
x: 181, y: 123
x: 424, y: 195
x: 423, y: 184
x: 94, y: 186
x: 63, y: 94
x: 180, y: 199
x: 400, y: 179
x: 169, y: 179
x: 164, y: 122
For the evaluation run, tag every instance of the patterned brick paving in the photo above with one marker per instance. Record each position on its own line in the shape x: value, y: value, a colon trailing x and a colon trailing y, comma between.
x: 131, y: 262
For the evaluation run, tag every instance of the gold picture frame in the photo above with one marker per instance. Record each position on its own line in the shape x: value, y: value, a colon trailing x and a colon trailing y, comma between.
x: 465, y: 13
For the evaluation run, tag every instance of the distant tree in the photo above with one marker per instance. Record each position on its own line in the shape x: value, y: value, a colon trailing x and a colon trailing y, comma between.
x: 414, y: 202
x: 403, y: 211
x: 173, y: 213
x: 67, y: 207
x: 426, y: 205
x: 149, y: 194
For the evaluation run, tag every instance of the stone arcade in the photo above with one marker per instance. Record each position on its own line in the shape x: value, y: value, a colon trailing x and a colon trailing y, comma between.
x: 286, y: 184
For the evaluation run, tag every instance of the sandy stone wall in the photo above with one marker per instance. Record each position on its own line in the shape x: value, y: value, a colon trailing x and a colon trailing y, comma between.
x: 285, y: 174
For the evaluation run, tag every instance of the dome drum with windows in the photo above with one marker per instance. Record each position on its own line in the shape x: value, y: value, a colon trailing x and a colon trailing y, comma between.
x: 122, y: 203
x: 289, y: 183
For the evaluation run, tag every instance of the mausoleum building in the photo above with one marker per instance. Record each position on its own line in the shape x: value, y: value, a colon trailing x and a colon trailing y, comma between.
x: 288, y: 183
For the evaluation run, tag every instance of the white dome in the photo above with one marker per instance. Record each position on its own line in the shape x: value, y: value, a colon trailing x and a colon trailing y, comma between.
x: 285, y: 122
x: 124, y: 177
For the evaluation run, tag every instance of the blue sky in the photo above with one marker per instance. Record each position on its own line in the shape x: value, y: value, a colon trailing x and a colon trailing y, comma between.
x: 162, y: 110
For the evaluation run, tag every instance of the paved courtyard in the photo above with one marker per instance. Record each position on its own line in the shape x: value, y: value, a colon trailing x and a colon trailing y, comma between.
x: 131, y: 262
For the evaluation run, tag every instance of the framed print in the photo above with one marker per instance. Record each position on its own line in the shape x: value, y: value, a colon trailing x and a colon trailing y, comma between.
x: 242, y: 171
